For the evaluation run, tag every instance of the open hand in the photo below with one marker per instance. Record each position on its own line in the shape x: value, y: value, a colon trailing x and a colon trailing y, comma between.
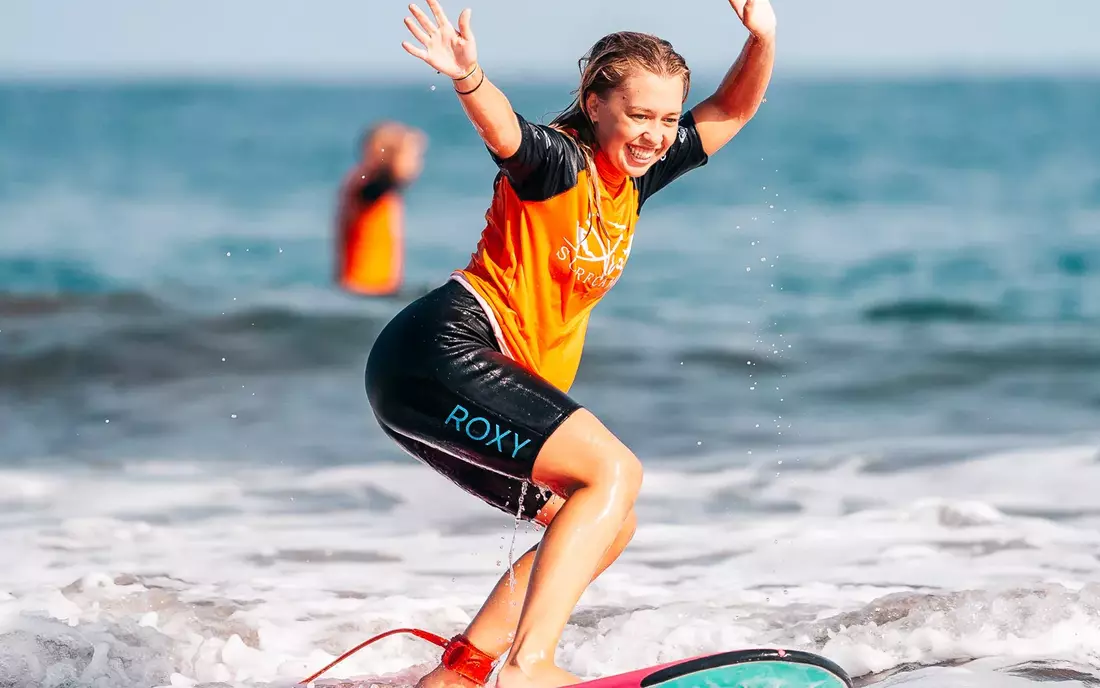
x: 757, y: 16
x: 450, y: 52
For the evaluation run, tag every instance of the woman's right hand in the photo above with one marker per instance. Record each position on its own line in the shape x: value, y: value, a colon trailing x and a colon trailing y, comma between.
x: 450, y: 52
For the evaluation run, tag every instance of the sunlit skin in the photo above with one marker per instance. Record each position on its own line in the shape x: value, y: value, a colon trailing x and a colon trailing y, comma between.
x: 637, y: 122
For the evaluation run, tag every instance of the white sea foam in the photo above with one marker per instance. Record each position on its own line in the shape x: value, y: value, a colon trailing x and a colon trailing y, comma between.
x: 977, y: 572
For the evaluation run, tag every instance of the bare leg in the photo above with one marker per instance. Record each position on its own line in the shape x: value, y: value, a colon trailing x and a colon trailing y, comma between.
x: 601, y: 479
x: 493, y: 628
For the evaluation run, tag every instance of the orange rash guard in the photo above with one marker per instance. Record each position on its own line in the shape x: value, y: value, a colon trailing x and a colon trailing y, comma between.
x: 544, y: 260
x: 372, y: 248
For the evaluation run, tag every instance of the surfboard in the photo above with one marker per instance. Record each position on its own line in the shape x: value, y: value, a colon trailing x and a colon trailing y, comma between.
x: 748, y: 668
x: 752, y: 668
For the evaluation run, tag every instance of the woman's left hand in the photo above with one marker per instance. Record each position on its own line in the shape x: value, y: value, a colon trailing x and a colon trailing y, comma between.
x: 757, y: 16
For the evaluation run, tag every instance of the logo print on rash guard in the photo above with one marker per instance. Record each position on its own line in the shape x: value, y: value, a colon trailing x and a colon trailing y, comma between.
x: 596, y: 261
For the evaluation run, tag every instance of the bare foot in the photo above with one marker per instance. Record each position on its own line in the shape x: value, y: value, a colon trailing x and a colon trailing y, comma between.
x: 546, y: 675
x: 442, y: 677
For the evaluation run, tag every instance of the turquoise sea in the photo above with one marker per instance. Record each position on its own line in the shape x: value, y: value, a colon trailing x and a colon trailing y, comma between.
x: 875, y: 314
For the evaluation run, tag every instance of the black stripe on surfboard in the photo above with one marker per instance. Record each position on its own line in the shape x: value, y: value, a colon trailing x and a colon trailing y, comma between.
x: 722, y: 659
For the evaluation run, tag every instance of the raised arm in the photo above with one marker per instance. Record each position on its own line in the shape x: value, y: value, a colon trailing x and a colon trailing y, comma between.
x: 721, y: 116
x: 454, y: 53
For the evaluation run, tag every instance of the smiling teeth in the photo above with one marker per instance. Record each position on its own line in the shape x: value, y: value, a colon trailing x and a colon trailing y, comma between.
x: 643, y: 154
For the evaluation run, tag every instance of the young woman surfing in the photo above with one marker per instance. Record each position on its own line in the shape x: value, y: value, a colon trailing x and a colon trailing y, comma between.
x: 472, y: 379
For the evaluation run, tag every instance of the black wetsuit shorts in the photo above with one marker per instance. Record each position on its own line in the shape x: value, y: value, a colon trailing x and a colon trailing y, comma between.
x: 440, y: 386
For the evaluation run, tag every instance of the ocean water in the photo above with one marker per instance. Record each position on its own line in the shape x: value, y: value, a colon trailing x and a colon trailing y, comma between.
x: 858, y: 353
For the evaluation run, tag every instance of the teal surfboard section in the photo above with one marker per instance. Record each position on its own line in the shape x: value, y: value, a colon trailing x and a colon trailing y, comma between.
x: 758, y: 674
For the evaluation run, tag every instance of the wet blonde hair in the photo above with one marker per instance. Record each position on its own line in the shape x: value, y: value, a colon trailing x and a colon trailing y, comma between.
x: 605, y: 67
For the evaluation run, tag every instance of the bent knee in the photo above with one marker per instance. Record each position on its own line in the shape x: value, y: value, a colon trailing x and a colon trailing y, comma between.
x: 627, y: 475
x: 616, y: 469
x: 626, y: 533
x: 582, y: 452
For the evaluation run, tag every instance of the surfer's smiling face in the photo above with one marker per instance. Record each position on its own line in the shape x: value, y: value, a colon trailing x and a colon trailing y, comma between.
x: 636, y: 122
x: 632, y: 91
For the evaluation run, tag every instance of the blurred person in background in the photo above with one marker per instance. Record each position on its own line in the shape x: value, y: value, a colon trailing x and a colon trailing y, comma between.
x: 369, y: 246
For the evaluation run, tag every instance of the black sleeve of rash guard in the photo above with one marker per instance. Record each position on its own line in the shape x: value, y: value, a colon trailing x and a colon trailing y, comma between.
x: 545, y: 165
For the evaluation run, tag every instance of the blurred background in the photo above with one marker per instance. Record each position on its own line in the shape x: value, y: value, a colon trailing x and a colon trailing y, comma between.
x: 902, y: 243
x: 897, y: 260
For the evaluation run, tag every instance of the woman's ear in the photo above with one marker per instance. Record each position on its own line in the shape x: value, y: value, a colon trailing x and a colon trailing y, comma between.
x: 592, y: 107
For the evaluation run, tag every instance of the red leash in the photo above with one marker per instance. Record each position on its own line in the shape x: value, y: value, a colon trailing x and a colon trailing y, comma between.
x: 458, y: 655
x: 430, y: 637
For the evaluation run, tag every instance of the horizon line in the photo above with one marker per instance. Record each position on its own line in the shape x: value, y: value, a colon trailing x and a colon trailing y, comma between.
x: 533, y: 77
